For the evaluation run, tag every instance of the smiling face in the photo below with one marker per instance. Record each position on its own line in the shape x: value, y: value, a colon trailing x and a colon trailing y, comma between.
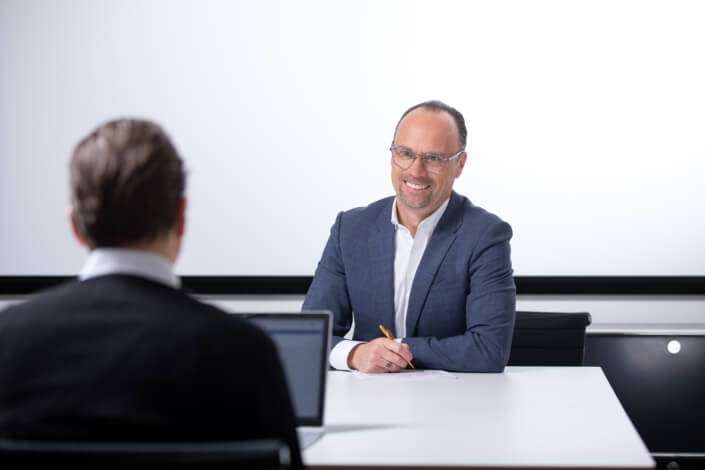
x: 420, y: 192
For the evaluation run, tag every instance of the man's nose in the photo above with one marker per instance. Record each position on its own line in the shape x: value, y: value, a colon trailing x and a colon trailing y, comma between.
x: 417, y: 167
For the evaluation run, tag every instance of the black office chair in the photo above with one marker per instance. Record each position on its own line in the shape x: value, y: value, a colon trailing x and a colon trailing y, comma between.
x: 256, y: 454
x: 549, y: 339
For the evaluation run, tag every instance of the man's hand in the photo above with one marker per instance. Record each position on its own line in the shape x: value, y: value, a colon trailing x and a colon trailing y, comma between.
x: 379, y: 355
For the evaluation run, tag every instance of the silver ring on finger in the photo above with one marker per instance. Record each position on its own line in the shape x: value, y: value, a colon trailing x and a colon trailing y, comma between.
x: 387, y: 365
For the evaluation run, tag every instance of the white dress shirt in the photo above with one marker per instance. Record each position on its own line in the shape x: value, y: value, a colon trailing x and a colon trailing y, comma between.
x: 104, y: 261
x: 408, y: 251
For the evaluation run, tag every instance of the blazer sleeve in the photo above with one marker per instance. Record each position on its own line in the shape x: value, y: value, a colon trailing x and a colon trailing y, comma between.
x: 329, y: 289
x: 489, y: 309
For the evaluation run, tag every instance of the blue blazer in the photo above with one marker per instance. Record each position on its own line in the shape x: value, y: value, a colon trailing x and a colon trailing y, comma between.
x: 462, y: 304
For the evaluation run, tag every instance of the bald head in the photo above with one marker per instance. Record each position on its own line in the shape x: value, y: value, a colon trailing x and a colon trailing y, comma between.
x: 436, y: 106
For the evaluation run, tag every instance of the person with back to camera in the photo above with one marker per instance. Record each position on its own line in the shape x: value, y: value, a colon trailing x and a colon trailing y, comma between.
x: 122, y: 353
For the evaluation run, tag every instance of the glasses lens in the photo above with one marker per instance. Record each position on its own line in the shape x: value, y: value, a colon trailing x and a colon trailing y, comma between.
x: 403, y: 156
x: 433, y: 162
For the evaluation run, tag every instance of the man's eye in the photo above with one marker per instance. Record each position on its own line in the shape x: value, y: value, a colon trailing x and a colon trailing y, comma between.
x: 405, y: 153
x: 433, y: 158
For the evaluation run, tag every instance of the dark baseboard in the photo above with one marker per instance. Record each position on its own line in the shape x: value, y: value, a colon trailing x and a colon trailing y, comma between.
x: 298, y: 285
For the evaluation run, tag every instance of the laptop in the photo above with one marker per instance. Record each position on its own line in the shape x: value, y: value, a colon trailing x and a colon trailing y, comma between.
x: 303, y: 342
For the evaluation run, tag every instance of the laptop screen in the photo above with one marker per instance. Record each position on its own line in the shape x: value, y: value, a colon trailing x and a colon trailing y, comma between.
x: 302, y: 340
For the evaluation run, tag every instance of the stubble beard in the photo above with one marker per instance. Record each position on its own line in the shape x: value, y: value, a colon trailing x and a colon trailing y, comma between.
x: 413, y: 202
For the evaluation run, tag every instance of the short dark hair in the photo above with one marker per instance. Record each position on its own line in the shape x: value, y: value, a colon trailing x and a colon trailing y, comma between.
x: 127, y: 181
x: 438, y: 106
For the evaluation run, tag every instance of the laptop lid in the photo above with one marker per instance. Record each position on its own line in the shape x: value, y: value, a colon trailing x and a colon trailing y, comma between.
x: 303, y: 341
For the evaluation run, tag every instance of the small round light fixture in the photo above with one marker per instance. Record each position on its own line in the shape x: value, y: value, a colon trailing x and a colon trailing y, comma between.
x: 673, y: 346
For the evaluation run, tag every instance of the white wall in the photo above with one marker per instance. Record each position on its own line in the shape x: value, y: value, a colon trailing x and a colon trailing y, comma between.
x: 585, y: 121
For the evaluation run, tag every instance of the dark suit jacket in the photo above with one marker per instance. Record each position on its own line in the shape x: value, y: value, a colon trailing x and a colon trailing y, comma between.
x: 122, y: 358
x: 462, y: 304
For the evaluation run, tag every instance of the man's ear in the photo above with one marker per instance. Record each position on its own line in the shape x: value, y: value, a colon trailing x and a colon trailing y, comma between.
x: 181, y: 217
x: 76, y: 232
x: 461, y: 164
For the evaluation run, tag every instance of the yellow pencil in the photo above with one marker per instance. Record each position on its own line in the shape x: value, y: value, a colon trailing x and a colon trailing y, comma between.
x: 389, y: 335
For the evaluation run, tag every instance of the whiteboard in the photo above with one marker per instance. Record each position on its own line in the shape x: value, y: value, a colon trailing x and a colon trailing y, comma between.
x: 586, y: 122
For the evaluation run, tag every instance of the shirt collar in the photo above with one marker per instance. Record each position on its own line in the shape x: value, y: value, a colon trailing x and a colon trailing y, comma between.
x: 104, y: 261
x: 431, y: 221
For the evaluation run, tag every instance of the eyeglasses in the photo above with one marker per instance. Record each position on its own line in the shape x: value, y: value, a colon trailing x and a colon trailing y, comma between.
x: 404, y: 158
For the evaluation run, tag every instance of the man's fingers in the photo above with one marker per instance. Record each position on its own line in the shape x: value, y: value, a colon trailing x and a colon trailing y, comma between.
x: 381, y: 355
x: 402, y: 350
x: 368, y: 357
x: 394, y: 352
x: 387, y: 366
x: 394, y: 359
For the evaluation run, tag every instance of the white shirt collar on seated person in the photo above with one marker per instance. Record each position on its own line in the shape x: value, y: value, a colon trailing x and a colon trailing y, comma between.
x: 104, y: 261
x: 429, y: 222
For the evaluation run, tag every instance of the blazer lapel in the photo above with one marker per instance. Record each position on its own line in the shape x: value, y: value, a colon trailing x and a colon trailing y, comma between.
x: 381, y: 262
x: 441, y: 240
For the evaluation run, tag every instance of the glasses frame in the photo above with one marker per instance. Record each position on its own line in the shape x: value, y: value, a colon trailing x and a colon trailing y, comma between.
x: 424, y: 157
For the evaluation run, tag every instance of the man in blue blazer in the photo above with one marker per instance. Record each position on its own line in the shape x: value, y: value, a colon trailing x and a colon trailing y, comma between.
x: 428, y: 265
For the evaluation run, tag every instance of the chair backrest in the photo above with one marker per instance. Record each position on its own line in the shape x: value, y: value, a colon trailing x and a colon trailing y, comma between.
x: 549, y: 339
x: 256, y: 454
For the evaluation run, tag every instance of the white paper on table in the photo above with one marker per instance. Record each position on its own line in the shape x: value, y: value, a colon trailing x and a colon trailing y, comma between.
x: 407, y: 375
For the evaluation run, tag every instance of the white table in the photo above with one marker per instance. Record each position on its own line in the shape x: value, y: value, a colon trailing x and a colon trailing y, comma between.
x: 526, y: 417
